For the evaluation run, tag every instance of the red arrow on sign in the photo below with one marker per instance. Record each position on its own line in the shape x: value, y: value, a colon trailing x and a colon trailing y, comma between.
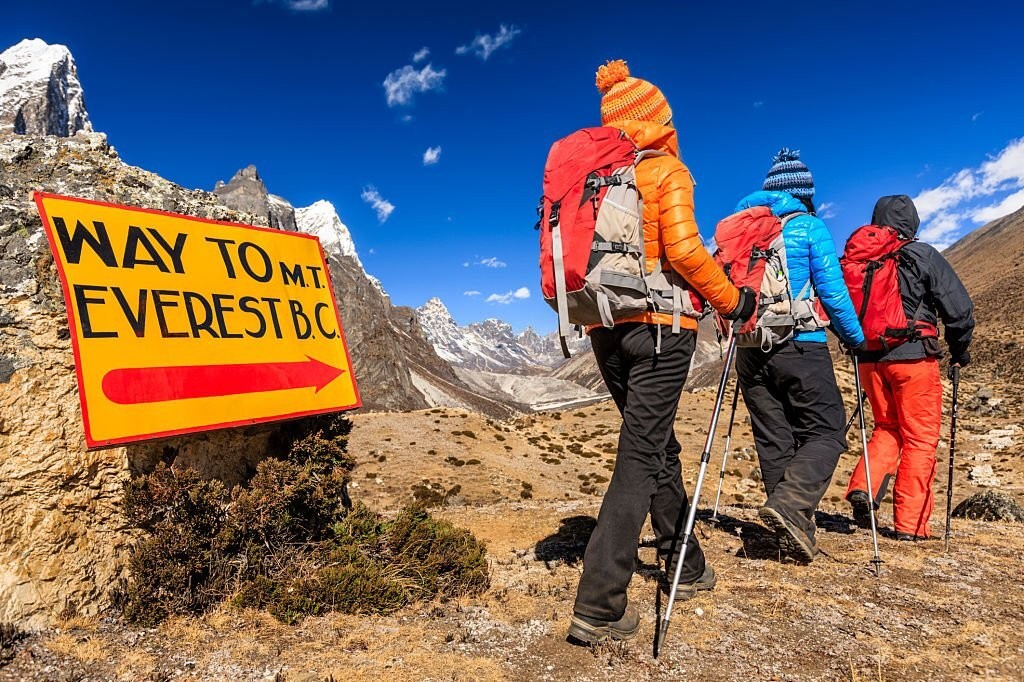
x: 136, y: 385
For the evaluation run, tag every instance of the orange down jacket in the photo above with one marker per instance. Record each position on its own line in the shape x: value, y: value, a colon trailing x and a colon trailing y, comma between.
x: 670, y: 228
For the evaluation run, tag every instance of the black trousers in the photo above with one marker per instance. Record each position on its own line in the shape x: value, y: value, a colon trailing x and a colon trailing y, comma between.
x: 798, y: 417
x: 647, y: 476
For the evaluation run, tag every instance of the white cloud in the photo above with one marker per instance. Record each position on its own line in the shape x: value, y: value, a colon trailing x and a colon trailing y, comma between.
x: 402, y: 84
x: 431, y: 156
x: 382, y: 206
x: 519, y: 294
x: 826, y: 210
x: 973, y: 196
x: 1005, y: 206
x: 976, y: 116
x: 420, y: 55
x: 491, y: 262
x: 301, y: 5
x: 471, y: 292
x: 483, y: 46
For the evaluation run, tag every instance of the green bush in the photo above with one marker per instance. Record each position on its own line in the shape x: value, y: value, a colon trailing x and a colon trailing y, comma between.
x: 288, y: 540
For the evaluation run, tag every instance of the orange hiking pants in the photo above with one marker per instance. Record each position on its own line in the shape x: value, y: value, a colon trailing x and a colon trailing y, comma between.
x: 906, y: 401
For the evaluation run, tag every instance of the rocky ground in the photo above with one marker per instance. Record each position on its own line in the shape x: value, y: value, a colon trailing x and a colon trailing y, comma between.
x: 531, y: 487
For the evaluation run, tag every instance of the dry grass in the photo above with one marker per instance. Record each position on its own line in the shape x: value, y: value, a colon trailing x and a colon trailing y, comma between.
x: 930, y: 615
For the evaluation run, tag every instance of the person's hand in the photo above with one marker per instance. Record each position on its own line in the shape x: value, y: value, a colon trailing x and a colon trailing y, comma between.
x: 746, y: 306
x: 959, y: 361
x: 855, y: 349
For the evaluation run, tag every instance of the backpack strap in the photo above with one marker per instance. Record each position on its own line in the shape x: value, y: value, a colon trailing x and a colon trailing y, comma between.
x: 645, y: 153
x: 558, y: 256
x: 789, y: 216
x: 677, y: 293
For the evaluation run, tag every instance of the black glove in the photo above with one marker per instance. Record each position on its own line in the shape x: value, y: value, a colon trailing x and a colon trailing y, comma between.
x: 856, y: 348
x: 746, y: 307
x: 960, y: 359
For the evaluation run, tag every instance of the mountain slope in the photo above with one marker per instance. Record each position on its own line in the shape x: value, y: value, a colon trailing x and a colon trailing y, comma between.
x: 39, y: 91
x: 988, y: 261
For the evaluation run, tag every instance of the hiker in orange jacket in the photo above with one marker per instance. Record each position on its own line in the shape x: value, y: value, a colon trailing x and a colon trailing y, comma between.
x: 646, y: 382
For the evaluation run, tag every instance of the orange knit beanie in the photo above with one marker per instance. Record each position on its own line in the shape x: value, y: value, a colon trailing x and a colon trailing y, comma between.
x: 629, y: 99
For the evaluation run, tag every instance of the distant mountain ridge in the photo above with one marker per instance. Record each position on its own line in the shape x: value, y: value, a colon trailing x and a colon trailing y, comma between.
x: 492, y: 345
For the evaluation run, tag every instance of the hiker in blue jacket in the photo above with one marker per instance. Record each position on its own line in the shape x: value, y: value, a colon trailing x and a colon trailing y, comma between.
x: 796, y: 410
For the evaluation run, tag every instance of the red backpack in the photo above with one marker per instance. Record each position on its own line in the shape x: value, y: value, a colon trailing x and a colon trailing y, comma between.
x: 592, y: 258
x: 752, y: 252
x: 871, y: 269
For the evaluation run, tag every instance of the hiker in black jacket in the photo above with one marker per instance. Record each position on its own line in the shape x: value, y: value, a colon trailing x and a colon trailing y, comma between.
x: 903, y: 384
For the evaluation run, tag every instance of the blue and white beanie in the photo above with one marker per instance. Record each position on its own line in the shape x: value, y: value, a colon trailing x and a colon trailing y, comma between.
x: 789, y: 174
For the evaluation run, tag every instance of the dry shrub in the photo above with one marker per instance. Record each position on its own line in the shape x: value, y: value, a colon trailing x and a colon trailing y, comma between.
x: 10, y: 639
x: 288, y: 540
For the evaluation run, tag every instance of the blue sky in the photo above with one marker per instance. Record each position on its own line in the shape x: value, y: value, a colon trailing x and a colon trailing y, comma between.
x: 920, y: 98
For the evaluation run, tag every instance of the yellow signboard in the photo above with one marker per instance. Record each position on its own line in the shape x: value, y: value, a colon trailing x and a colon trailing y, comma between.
x: 182, y: 324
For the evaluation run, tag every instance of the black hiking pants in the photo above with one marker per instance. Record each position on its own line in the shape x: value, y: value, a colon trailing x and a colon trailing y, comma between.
x: 798, y: 417
x: 647, y: 476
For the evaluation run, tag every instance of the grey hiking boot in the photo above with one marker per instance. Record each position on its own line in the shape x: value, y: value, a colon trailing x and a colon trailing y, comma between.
x: 592, y: 630
x: 861, y: 503
x: 792, y: 541
x: 689, y: 590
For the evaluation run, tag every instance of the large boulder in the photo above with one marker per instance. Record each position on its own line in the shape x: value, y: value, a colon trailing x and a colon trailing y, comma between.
x: 63, y: 541
x: 990, y: 505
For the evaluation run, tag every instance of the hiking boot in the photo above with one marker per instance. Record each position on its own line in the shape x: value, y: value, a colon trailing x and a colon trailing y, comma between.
x: 909, y: 537
x: 861, y: 503
x: 593, y: 630
x: 685, y: 591
x: 792, y: 541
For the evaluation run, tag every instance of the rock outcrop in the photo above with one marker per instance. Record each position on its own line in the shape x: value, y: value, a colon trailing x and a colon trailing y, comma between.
x: 39, y: 91
x: 63, y: 541
x: 990, y: 506
x: 247, y: 193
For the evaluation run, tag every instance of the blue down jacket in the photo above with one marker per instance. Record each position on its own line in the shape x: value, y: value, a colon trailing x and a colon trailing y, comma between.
x: 810, y: 253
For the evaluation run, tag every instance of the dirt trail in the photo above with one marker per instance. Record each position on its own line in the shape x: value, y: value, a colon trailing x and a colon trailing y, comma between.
x: 530, y: 489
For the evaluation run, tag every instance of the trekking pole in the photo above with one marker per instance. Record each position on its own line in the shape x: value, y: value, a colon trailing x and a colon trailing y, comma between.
x: 691, y: 517
x: 860, y: 402
x: 877, y: 561
x: 952, y: 448
x: 728, y: 442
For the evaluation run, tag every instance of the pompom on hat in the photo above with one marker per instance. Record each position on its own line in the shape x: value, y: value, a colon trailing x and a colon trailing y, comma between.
x: 789, y: 174
x: 629, y: 99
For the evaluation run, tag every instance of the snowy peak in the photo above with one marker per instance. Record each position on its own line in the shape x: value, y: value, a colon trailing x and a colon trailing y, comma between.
x: 40, y: 93
x: 436, y: 312
x: 321, y: 220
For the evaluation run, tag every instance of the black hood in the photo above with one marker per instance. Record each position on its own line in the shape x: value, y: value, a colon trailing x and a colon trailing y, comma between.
x: 899, y: 213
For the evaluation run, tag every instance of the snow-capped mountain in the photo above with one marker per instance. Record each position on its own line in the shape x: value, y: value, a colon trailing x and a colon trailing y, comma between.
x: 39, y: 91
x: 321, y: 220
x: 490, y: 345
x: 547, y: 350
